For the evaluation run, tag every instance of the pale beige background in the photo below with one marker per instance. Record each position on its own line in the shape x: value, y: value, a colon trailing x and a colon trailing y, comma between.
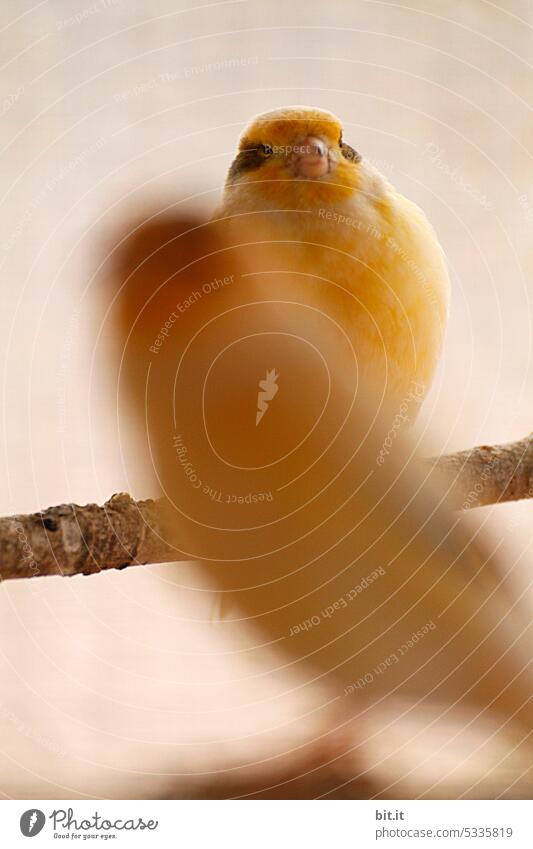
x: 108, y: 108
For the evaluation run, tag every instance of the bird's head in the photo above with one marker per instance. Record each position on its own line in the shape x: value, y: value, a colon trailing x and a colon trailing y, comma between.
x: 296, y: 151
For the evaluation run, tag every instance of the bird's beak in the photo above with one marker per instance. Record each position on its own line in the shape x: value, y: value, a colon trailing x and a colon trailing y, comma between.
x: 310, y: 158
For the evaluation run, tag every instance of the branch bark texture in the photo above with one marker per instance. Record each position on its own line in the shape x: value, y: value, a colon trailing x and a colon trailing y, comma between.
x: 488, y: 474
x: 71, y: 540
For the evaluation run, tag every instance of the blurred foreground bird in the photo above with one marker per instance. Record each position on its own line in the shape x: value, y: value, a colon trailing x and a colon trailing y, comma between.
x: 266, y: 402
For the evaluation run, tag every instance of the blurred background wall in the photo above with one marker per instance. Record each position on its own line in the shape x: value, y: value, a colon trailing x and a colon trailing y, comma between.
x: 110, y: 109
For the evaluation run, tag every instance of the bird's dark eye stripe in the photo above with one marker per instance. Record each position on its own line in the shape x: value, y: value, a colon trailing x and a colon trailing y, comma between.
x: 349, y: 152
x: 255, y: 154
x: 247, y: 160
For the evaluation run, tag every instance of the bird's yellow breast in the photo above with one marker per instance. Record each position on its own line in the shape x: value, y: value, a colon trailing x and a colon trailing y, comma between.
x: 369, y: 261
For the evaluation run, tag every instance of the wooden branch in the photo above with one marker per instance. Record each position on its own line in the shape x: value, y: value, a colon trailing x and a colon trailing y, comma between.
x: 488, y: 474
x: 71, y: 540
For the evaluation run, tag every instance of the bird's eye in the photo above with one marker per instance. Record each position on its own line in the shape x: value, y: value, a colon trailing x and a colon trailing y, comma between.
x: 348, y: 152
x: 265, y: 150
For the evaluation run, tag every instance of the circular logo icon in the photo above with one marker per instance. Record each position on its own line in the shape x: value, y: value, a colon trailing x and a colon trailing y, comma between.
x: 32, y: 822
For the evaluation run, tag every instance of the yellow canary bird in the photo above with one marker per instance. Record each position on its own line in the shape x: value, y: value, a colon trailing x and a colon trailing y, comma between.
x: 258, y: 350
x: 366, y: 255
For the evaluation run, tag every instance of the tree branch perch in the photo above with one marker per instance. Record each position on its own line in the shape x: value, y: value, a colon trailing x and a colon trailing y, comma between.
x: 71, y: 540
x: 488, y: 474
